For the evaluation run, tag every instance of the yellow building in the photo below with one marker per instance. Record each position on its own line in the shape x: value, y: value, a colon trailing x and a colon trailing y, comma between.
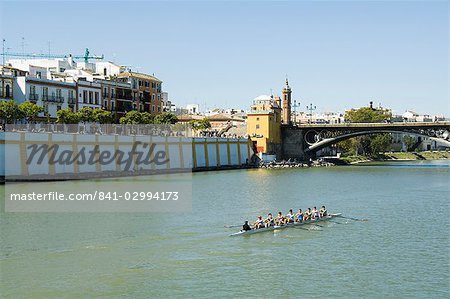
x: 264, y: 124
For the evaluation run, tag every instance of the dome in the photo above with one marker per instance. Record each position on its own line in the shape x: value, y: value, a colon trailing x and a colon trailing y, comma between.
x: 263, y: 98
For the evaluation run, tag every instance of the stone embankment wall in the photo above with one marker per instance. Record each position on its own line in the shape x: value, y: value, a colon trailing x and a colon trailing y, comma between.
x: 184, y: 154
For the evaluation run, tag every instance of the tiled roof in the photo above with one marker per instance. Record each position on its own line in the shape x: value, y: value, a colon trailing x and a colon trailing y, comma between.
x: 139, y: 76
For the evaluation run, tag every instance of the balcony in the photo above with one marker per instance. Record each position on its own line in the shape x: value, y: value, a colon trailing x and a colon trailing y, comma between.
x: 33, y: 98
x: 52, y: 99
x: 126, y: 97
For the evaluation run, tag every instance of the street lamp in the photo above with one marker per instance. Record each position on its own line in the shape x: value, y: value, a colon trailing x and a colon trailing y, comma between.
x: 311, y: 108
x: 295, y: 106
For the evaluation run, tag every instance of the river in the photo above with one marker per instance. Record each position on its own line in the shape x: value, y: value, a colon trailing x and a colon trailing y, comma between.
x: 402, y: 250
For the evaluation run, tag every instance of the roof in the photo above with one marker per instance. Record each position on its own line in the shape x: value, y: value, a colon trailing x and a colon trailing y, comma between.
x: 225, y: 117
x: 220, y: 116
x: 139, y: 76
x: 189, y: 117
x: 263, y: 98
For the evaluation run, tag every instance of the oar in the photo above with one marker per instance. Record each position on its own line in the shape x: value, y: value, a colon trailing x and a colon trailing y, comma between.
x: 308, y: 229
x: 335, y: 222
x: 355, y: 219
x: 314, y: 223
x: 231, y: 226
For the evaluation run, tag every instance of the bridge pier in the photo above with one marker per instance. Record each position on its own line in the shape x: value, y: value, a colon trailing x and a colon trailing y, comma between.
x: 292, y: 143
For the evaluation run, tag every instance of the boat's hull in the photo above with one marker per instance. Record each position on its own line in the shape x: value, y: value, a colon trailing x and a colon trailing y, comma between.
x: 272, y: 228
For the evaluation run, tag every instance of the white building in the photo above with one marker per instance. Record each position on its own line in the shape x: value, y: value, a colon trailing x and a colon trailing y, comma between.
x: 88, y: 94
x: 7, y: 83
x: 58, y: 65
x: 108, y: 69
x: 411, y: 116
x: 193, y: 108
x: 52, y: 95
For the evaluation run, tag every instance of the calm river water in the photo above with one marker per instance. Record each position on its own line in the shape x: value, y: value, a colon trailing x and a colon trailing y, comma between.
x: 401, y: 251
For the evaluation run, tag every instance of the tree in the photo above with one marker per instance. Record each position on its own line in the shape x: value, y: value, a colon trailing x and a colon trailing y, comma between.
x: 367, y: 145
x: 166, y: 118
x: 200, y: 125
x: 349, y: 146
x: 102, y: 116
x: 380, y: 143
x: 86, y: 114
x: 410, y: 143
x: 146, y: 118
x: 367, y: 115
x: 136, y: 118
x: 67, y: 116
x: 10, y: 112
x: 30, y: 111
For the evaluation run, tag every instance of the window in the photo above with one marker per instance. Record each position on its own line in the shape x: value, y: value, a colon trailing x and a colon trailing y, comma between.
x: 153, y: 97
x: 85, y: 96
x: 112, y: 106
x: 38, y: 75
x: 257, y: 127
x: 70, y: 93
x: 104, y: 71
x: 159, y: 109
x: 61, y: 70
x: 153, y: 108
x: 96, y: 98
x: 58, y: 93
x: 91, y: 97
x: 7, y: 91
x: 257, y: 119
x: 58, y: 107
x: 44, y: 93
x: 32, y: 89
x: 105, y: 104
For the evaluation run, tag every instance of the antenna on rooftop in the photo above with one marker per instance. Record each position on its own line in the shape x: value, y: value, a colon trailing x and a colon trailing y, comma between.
x: 22, y: 44
x: 3, y: 41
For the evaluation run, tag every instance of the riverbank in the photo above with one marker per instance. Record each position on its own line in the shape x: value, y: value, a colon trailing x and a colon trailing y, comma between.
x: 398, y: 156
x: 295, y: 164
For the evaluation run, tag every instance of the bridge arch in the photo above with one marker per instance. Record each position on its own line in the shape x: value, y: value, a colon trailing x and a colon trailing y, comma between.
x: 330, y: 141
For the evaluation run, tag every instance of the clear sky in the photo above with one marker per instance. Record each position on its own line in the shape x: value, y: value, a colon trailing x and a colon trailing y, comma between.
x: 337, y: 54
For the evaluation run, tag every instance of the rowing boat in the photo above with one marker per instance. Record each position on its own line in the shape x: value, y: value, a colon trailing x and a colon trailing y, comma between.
x: 277, y: 227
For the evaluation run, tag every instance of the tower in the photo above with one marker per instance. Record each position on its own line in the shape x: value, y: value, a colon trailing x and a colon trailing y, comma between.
x: 287, y: 104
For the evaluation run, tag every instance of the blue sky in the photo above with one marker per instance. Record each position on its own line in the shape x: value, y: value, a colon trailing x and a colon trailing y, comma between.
x: 337, y: 54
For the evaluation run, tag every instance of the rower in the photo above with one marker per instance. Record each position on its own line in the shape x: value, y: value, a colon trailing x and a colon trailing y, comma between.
x: 308, y: 214
x: 323, y: 212
x: 246, y: 227
x: 315, y: 214
x: 269, y: 220
x: 280, y: 219
x: 289, y: 218
x: 299, y: 216
x: 259, y: 223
